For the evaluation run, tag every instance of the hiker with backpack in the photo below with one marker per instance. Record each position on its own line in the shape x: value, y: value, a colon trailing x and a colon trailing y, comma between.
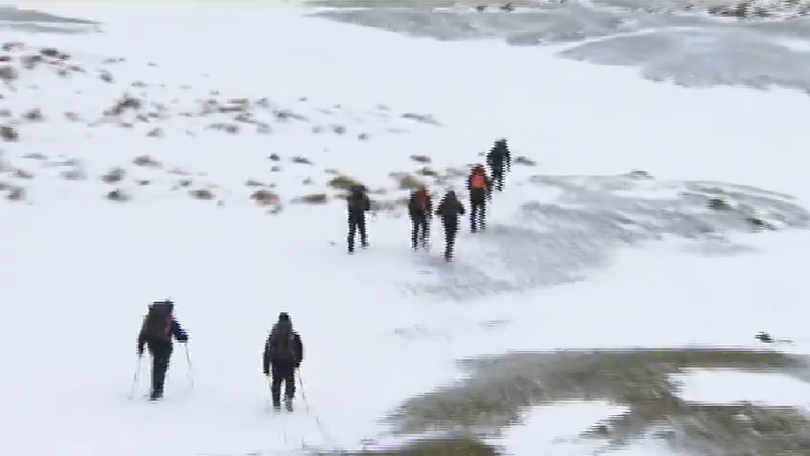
x: 283, y: 353
x: 480, y: 187
x: 358, y: 204
x: 420, y: 209
x: 499, y: 160
x: 159, y: 325
x: 450, y: 208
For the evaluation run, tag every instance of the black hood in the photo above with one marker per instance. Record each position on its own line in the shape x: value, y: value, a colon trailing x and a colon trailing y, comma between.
x: 283, y: 326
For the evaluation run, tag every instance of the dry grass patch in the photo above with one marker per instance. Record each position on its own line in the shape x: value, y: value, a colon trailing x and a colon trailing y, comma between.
x: 455, y: 172
x: 9, y: 133
x: 421, y: 158
x: 8, y: 73
x: 114, y: 176
x: 147, y: 161
x: 35, y: 156
x: 226, y: 127
x: 315, y: 198
x: 156, y: 132
x: 406, y: 181
x: 118, y: 195
x: 389, y: 205
x: 342, y: 182
x: 125, y: 103
x: 285, y: 115
x: 33, y: 115
x: 16, y: 194
x: 254, y: 183
x: 421, y: 118
x: 427, y: 172
x: 202, y: 194
x: 525, y: 161
x: 301, y: 160
x: 76, y: 174
x: 23, y: 174
x: 264, y: 198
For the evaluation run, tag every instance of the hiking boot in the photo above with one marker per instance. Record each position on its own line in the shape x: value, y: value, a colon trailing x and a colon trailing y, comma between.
x: 288, y: 405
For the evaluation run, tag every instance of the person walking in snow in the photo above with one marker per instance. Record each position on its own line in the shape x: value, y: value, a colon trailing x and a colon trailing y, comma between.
x: 283, y: 353
x: 450, y: 208
x: 358, y: 204
x: 499, y: 160
x: 420, y: 209
x: 159, y: 325
x: 480, y: 187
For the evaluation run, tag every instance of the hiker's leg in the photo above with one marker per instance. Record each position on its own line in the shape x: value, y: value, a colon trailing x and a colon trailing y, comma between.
x: 414, y: 231
x: 352, y: 232
x: 473, y: 214
x: 497, y: 177
x: 289, y: 383
x: 482, y: 215
x: 361, y: 225
x: 425, y: 230
x: 450, y: 233
x: 275, y: 384
x: 160, y: 365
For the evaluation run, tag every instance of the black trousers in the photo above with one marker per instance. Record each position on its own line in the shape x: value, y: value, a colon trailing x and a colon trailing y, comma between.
x: 450, y: 233
x: 420, y: 230
x: 357, y: 222
x: 161, y: 354
x: 282, y: 373
x: 497, y: 177
x: 478, y: 213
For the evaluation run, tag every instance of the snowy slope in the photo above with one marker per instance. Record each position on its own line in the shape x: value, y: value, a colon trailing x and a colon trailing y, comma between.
x: 385, y: 324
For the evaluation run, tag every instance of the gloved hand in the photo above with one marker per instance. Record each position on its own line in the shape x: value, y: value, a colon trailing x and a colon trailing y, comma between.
x: 140, y: 352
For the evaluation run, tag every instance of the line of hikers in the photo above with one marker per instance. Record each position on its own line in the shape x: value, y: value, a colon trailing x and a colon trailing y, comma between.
x: 283, y: 351
x: 420, y: 205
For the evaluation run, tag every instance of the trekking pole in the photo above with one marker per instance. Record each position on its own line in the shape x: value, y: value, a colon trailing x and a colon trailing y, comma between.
x: 190, y: 370
x: 135, y: 377
x: 303, y: 393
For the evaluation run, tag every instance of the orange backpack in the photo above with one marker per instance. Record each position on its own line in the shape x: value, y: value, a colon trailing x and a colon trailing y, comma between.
x: 422, y: 200
x: 478, y: 180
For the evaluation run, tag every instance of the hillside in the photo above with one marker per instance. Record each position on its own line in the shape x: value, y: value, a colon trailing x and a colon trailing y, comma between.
x: 646, y: 232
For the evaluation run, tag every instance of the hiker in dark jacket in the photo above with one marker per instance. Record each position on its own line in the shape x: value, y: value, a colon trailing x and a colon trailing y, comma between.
x: 283, y: 353
x: 450, y: 208
x: 159, y: 325
x: 420, y: 209
x: 499, y: 160
x: 480, y: 187
x: 358, y: 204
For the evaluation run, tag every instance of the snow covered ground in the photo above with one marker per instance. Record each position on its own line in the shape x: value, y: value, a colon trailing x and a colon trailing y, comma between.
x: 206, y: 185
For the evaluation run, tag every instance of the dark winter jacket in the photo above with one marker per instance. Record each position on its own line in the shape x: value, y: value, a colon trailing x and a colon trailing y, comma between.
x: 420, y: 204
x: 479, y: 195
x: 499, y: 156
x: 450, y: 208
x: 282, y: 329
x: 357, y: 203
x: 174, y: 328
